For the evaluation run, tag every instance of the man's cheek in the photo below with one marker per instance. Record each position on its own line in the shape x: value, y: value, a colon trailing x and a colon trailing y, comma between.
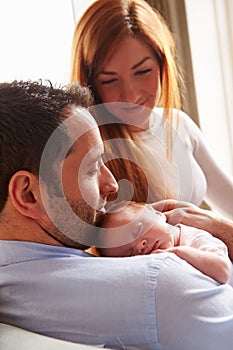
x: 89, y: 192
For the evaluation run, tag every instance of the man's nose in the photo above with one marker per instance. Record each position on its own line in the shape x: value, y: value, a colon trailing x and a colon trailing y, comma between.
x: 108, y: 183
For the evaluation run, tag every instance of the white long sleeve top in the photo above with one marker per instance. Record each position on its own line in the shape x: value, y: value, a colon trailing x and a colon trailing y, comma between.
x: 192, y: 174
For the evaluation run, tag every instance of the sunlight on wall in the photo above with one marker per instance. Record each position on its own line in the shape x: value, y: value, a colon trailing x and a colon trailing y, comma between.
x: 210, y: 42
x: 35, y: 39
x: 80, y: 7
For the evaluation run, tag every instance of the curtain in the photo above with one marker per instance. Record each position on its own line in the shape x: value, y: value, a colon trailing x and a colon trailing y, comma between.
x: 175, y: 15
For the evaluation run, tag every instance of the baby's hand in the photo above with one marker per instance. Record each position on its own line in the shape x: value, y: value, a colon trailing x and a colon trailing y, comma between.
x: 157, y: 251
x: 170, y: 250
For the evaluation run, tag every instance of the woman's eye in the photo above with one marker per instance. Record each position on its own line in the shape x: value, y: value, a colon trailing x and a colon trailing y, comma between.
x: 110, y: 81
x: 143, y: 71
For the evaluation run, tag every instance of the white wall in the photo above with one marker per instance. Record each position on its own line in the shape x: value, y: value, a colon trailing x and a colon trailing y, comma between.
x: 211, y: 41
x: 35, y: 39
x: 80, y: 6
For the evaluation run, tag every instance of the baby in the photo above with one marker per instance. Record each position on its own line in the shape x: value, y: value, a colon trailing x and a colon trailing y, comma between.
x: 130, y: 229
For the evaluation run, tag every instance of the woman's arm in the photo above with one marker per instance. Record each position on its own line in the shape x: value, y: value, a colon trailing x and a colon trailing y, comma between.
x: 219, y: 191
x: 191, y: 215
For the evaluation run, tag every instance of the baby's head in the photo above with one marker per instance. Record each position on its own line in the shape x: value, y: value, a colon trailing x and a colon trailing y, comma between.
x: 130, y: 228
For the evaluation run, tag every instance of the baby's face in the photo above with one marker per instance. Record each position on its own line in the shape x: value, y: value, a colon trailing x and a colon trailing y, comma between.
x: 136, y: 231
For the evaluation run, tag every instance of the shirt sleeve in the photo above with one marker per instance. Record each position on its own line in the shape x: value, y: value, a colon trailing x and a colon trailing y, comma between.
x: 151, y: 302
x: 193, y: 311
x: 90, y: 300
x: 219, y: 183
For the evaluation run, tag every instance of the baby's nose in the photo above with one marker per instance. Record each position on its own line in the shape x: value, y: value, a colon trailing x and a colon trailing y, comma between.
x: 141, y: 246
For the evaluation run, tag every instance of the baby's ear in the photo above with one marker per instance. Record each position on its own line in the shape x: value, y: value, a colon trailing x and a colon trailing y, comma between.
x: 24, y: 193
x: 138, y: 230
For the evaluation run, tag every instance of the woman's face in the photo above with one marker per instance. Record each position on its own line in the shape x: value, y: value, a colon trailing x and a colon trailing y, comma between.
x: 130, y: 76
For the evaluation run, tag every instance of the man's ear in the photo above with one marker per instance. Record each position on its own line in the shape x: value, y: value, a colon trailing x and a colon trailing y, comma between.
x: 24, y: 193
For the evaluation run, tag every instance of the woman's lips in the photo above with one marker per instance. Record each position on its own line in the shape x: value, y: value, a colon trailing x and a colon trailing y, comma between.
x: 133, y: 108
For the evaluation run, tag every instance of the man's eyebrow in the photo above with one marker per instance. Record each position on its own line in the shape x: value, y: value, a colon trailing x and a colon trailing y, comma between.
x: 95, y: 158
x: 133, y: 67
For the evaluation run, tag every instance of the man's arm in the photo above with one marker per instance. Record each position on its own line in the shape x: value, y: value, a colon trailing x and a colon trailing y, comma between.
x: 191, y: 215
x: 193, y: 311
x: 143, y: 302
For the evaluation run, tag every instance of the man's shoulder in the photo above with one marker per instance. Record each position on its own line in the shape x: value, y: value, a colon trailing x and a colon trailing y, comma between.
x: 13, y: 252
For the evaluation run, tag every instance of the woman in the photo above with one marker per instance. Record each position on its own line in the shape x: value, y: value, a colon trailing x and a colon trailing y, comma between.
x: 124, y: 51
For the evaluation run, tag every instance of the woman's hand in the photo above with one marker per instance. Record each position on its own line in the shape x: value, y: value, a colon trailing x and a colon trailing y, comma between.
x: 187, y: 214
x: 190, y: 215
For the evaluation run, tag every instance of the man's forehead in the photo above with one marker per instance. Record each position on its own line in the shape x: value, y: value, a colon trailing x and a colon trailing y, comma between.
x: 82, y: 118
x: 78, y: 123
x: 88, y: 152
x: 84, y: 114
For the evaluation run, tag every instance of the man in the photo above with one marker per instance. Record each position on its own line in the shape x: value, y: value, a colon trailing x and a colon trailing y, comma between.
x: 53, y: 185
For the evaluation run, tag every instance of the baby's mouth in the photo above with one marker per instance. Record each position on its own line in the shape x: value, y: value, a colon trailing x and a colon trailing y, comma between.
x: 154, y: 247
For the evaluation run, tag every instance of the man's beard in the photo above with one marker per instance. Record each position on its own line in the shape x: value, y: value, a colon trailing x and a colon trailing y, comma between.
x: 71, y: 223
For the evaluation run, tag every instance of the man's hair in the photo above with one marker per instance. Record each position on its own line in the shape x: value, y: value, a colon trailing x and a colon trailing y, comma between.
x: 29, y: 114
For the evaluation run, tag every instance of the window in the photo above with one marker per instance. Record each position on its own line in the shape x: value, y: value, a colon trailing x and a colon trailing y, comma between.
x: 35, y: 39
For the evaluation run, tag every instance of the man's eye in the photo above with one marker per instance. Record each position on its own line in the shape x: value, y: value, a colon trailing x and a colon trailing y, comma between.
x: 143, y: 71
x: 94, y: 170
